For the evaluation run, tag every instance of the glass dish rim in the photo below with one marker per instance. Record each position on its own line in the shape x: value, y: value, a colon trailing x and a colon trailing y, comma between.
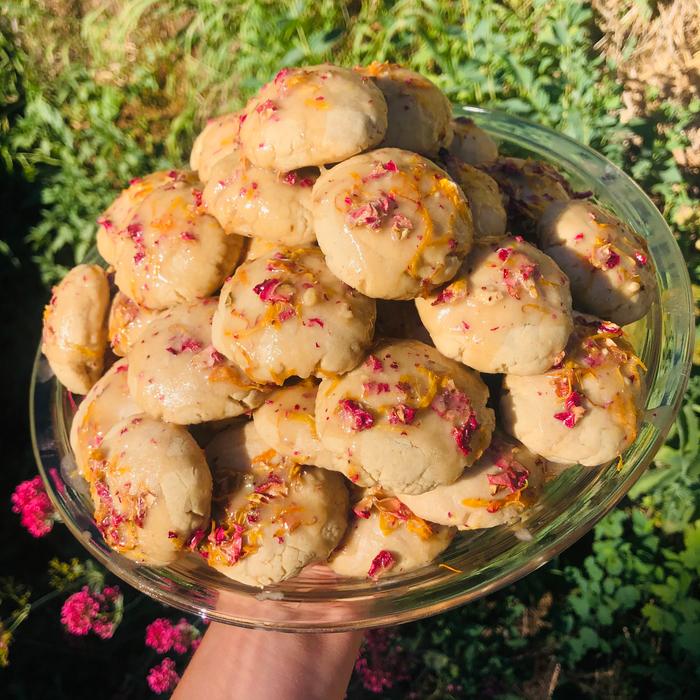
x: 422, y: 583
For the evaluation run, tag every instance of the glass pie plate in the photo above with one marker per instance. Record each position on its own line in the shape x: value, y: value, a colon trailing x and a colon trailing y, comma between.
x: 477, y: 563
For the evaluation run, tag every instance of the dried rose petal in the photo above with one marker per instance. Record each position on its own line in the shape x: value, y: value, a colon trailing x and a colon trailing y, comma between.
x: 266, y: 106
x: 362, y: 510
x: 286, y: 314
x: 266, y: 291
x: 373, y: 213
x: 510, y: 477
x: 374, y: 363
x: 452, y: 404
x: 179, y: 343
x: 504, y: 253
x: 445, y: 296
x: 640, y: 258
x: 401, y: 225
x: 196, y: 537
x: 281, y: 75
x: 358, y: 417
x: 566, y: 417
x: 463, y: 434
x: 610, y: 328
x: 573, y: 399
x: 613, y: 260
x: 402, y: 414
x: 369, y: 388
x: 381, y: 563
x: 271, y: 486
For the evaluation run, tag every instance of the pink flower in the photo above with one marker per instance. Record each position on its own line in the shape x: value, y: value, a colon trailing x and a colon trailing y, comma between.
x: 160, y: 635
x: 31, y: 502
x: 186, y: 637
x: 78, y: 612
x: 382, y: 663
x: 163, y: 678
x: 86, y: 611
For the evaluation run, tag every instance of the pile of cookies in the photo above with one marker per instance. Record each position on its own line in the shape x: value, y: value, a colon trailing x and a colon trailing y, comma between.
x: 350, y: 330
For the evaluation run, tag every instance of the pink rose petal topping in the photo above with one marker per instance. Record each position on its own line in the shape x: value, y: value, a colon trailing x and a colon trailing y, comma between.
x: 381, y: 563
x: 355, y: 415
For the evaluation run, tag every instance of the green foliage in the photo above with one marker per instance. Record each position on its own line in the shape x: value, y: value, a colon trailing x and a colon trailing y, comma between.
x: 669, y: 492
x: 92, y: 97
x: 145, y: 77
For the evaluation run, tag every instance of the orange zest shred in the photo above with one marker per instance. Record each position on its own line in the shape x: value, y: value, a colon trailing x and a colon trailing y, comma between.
x: 451, y: 568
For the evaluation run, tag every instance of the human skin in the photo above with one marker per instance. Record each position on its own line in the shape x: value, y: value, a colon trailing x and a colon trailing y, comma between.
x: 233, y: 662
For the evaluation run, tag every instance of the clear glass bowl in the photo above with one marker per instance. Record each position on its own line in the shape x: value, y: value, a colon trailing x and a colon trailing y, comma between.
x: 485, y: 560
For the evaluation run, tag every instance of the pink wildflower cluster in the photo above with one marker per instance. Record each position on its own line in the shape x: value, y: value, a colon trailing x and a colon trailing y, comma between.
x: 163, y: 678
x: 162, y: 635
x: 382, y: 663
x: 86, y: 611
x: 32, y: 504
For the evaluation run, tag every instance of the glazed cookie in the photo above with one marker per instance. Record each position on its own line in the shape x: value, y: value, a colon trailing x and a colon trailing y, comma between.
x: 529, y: 186
x: 419, y: 114
x: 113, y: 222
x: 176, y: 374
x: 217, y: 140
x: 286, y: 315
x: 607, y: 264
x: 74, y: 336
x: 251, y: 201
x: 259, y: 247
x: 286, y: 423
x: 391, y: 223
x: 107, y: 403
x: 172, y: 251
x: 385, y: 539
x: 494, y: 491
x: 507, y: 310
x: 483, y: 195
x: 271, y: 516
x: 126, y: 321
x: 472, y: 144
x: 312, y: 116
x: 151, y: 487
x: 407, y: 418
x: 586, y: 410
